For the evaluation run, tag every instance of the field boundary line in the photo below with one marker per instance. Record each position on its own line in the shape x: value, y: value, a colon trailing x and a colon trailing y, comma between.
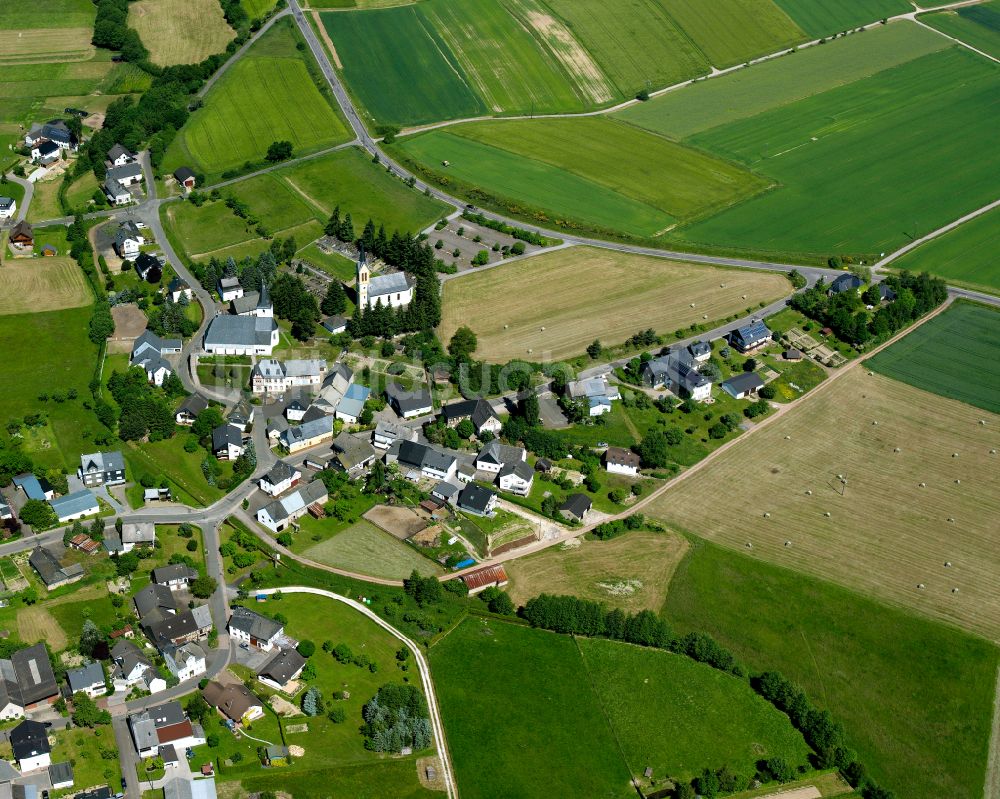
x: 955, y: 39
x: 934, y: 234
x: 991, y: 790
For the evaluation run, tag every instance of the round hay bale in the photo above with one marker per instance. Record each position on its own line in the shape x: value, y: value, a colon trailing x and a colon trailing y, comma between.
x: 958, y: 482
x: 954, y: 590
x: 993, y: 452
x: 788, y: 438
x: 767, y: 515
x: 543, y: 328
x: 749, y: 545
x: 954, y: 454
x: 897, y: 449
x: 947, y: 564
x: 692, y: 305
x: 874, y: 422
x: 788, y: 543
x: 923, y: 485
x: 506, y: 326
x: 809, y: 492
x: 951, y: 519
x: 296, y: 751
x: 920, y: 585
x: 982, y: 421
x: 827, y: 514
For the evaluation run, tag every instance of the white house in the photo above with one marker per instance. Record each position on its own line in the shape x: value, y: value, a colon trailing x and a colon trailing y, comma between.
x: 386, y: 433
x: 271, y: 376
x: 253, y: 629
x: 128, y: 240
x: 308, y: 434
x: 8, y: 207
x: 174, y: 576
x: 119, y: 156
x: 75, y: 506
x: 55, y: 130
x: 227, y: 442
x: 163, y: 725
x: 621, y: 461
x: 494, y: 456
x: 282, y: 513
x: 516, y: 477
x: 88, y: 679
x: 597, y: 392
x: 477, y: 500
x: 149, y: 351
x: 350, y: 408
x: 126, y: 175
x: 116, y: 193
x: 280, y: 479
x: 241, y: 335
x: 428, y: 461
x: 138, y: 534
x: 229, y: 289
x: 186, y: 661
x: 132, y: 668
x: 29, y: 741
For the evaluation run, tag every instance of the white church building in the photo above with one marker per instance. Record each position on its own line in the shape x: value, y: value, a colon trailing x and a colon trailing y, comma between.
x: 394, y: 289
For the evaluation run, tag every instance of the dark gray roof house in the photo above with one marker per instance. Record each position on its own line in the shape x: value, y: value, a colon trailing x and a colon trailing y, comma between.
x: 36, y: 681
x: 253, y: 624
x: 84, y: 677
x: 173, y: 573
x: 149, y: 268
x: 740, y: 385
x: 846, y: 283
x: 29, y: 739
x: 476, y: 499
x: 53, y: 574
x: 188, y: 410
x: 283, y: 667
x: 118, y: 151
x: 409, y: 403
x: 576, y: 506
x: 677, y: 371
x: 224, y: 436
x: 751, y: 336
x: 154, y: 600
x: 179, y: 629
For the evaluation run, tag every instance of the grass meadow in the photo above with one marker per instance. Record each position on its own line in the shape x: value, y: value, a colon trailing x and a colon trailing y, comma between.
x: 914, y: 696
x: 824, y: 17
x: 42, y: 284
x: 549, y: 294
x: 956, y: 355
x: 267, y: 96
x: 890, y: 530
x: 364, y: 548
x: 184, y: 32
x: 256, y: 9
x: 978, y: 26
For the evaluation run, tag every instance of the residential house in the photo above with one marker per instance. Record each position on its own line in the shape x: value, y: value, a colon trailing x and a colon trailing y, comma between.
x: 27, y: 682
x: 845, y: 283
x: 394, y: 290
x: 281, y: 513
x: 516, y: 477
x: 126, y: 175
x: 543, y: 466
x: 335, y: 324
x: 282, y: 669
x: 751, y: 337
x: 5, y: 511
x: 102, y: 468
x: 409, y: 404
x: 149, y: 352
x: 29, y: 741
x: 115, y: 192
x: 34, y: 487
x: 576, y: 507
x: 387, y: 433
x: 241, y: 415
x: 119, y: 156
x: 307, y: 434
x: 258, y: 631
x: 8, y: 207
x: 271, y: 376
x: 677, y: 370
x: 446, y: 492
x: 234, y: 701
x: 189, y: 788
x: 478, y: 411
x: 621, y: 461
x: 352, y: 454
x: 296, y: 407
x: 466, y: 472
x: 477, y: 500
x: 428, y: 461
x: 163, y: 725
x: 241, y: 335
x: 45, y: 152
x: 596, y: 392
x: 55, y: 130
x: 351, y: 407
x: 275, y: 427
x: 335, y: 386
x: 185, y: 177
x: 191, y: 625
x: 154, y: 603
x: 52, y: 573
x: 742, y: 385
x: 792, y: 354
x: 189, y: 409
x: 494, y: 456
x: 87, y: 679
x: 282, y: 477
x: 177, y: 288
x: 186, y: 661
x: 227, y: 442
x: 488, y: 577
x: 253, y: 303
x: 229, y: 289
x: 61, y: 775
x: 885, y: 293
x: 128, y: 240
x: 700, y: 351
x: 133, y: 669
x: 174, y: 576
x: 149, y: 268
x: 21, y: 236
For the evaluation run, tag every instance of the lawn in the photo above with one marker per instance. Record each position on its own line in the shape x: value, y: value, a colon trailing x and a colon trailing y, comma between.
x: 82, y: 747
x: 267, y: 96
x: 180, y: 32
x: 620, y: 294
x: 888, y: 531
x: 722, y: 720
x: 381, y: 52
x: 977, y: 26
x: 914, y: 696
x: 81, y: 190
x: 963, y: 256
x: 182, y: 469
x: 631, y: 572
x: 823, y: 17
x: 879, y: 139
x: 956, y: 355
x: 42, y: 284
x: 364, y: 548
x: 256, y: 9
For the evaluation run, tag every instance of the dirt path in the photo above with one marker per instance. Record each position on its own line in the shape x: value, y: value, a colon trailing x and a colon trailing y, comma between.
x: 326, y: 40
x: 991, y: 790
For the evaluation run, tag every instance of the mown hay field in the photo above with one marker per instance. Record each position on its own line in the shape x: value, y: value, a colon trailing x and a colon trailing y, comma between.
x: 886, y: 533
x: 978, y: 26
x: 823, y: 17
x: 956, y: 355
x: 915, y: 696
x: 364, y: 548
x: 631, y: 572
x: 180, y: 31
x: 37, y: 624
x: 267, y: 96
x: 618, y: 293
x: 29, y: 285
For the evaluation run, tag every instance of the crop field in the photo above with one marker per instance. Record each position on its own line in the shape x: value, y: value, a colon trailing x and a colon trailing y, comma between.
x: 45, y: 45
x: 49, y: 14
x: 956, y: 355
x: 636, y: 42
x: 978, y: 26
x: 620, y: 293
x: 878, y: 139
x: 267, y: 96
x: 823, y: 17
x: 28, y: 285
x: 963, y: 256
x: 889, y: 530
x: 631, y: 572
x: 182, y: 31
x: 731, y: 31
x: 364, y: 548
x: 915, y: 697
x: 721, y: 718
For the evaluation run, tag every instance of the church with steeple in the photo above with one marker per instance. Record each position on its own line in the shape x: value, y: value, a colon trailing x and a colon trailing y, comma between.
x: 394, y: 290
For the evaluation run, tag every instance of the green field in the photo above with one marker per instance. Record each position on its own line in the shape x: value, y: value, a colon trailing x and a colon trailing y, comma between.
x: 823, y: 17
x: 257, y: 8
x: 49, y: 14
x: 914, y: 696
x: 964, y: 256
x: 978, y: 26
x: 630, y: 707
x: 857, y: 163
x: 266, y: 96
x: 364, y: 548
x: 560, y: 167
x: 956, y: 354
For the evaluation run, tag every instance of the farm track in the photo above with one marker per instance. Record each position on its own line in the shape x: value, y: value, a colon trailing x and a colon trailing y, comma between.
x: 991, y: 790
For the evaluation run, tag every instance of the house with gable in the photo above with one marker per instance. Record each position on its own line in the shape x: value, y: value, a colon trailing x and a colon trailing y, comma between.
x: 282, y: 513
x: 517, y: 477
x: 494, y: 456
x: 133, y: 669
x: 161, y: 726
x: 102, y: 468
x: 677, y: 371
x: 478, y: 411
x: 241, y: 335
x: 87, y: 679
x: 128, y: 240
x: 425, y: 460
x: 227, y: 442
x: 253, y: 303
x: 186, y: 661
x: 308, y: 434
x: 752, y: 337
x: 149, y: 352
x: 119, y: 156
x: 254, y: 629
x: 280, y: 478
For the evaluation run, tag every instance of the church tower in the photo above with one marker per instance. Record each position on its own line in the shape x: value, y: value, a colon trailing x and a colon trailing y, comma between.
x: 363, y: 277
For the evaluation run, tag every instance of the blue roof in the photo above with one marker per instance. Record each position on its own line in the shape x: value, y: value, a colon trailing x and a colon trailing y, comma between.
x: 29, y: 483
x: 353, y: 402
x: 78, y: 502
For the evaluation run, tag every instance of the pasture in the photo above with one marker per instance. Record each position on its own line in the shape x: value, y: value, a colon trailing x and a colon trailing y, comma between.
x: 631, y: 572
x: 915, y: 697
x: 963, y: 256
x: 267, y: 96
x: 29, y: 285
x: 850, y: 160
x: 180, y: 32
x: 364, y: 548
x: 890, y: 530
x: 823, y: 17
x: 49, y: 14
x: 956, y: 355
x: 618, y: 292
x: 978, y: 26
x: 722, y: 720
